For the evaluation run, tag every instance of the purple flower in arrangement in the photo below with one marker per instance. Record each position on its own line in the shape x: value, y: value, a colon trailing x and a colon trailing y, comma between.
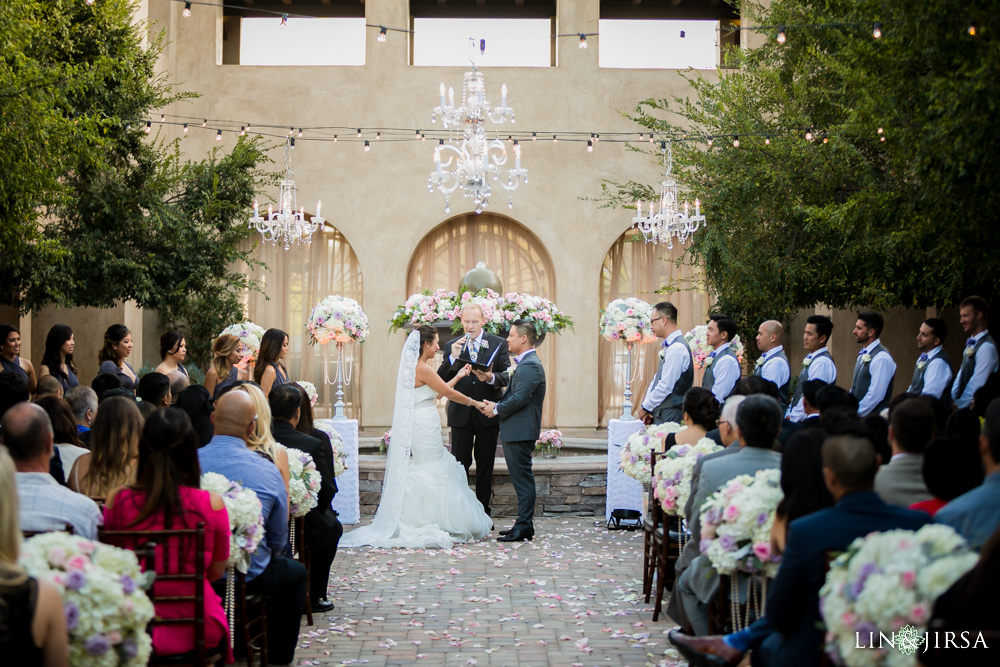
x: 97, y: 645
x: 678, y: 476
x: 634, y: 459
x: 704, y: 545
x: 128, y: 584
x: 727, y: 542
x: 130, y: 648
x: 75, y: 580
x: 864, y: 627
x: 72, y: 613
x: 762, y: 518
x: 712, y: 515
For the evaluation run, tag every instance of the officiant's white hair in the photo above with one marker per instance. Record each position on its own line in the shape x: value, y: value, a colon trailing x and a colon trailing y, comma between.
x: 473, y: 304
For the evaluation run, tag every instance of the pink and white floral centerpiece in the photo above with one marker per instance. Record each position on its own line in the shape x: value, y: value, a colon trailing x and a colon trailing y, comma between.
x: 338, y: 319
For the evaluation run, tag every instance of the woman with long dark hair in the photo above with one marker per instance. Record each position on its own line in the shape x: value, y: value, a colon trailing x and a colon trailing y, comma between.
x: 269, y: 371
x: 65, y: 435
x: 10, y: 356
x: 57, y: 360
x: 166, y: 495
x: 198, y: 404
x: 114, y: 448
x: 701, y: 415
x: 226, y: 352
x: 117, y: 347
x: 802, y: 483
x: 173, y: 352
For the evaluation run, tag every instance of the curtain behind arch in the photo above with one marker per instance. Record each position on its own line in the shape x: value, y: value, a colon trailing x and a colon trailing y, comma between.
x: 298, y: 279
x: 449, y: 251
x: 637, y: 269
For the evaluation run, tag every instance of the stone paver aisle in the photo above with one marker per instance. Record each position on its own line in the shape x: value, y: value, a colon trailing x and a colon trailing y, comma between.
x: 570, y: 597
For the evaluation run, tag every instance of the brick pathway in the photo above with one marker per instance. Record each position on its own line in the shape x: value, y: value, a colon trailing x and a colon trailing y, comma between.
x: 569, y: 598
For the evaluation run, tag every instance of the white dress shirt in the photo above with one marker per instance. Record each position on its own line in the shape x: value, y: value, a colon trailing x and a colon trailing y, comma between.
x: 882, y: 369
x: 726, y: 370
x: 676, y: 360
x: 986, y: 363
x: 774, y: 367
x: 474, y: 346
x: 937, y: 377
x: 46, y: 505
x: 820, y: 368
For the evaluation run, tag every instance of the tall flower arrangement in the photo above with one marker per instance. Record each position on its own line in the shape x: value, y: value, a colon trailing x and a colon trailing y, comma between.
x: 250, y: 335
x: 303, y: 483
x: 339, y: 319
x: 628, y: 320
x: 339, y: 451
x: 310, y: 390
x: 246, y: 519
x: 885, y: 582
x: 425, y: 308
x: 637, y: 454
x: 538, y: 310
x: 697, y: 340
x: 103, y: 597
x: 672, y: 474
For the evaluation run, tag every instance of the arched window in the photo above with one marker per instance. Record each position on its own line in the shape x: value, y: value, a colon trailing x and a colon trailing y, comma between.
x: 634, y: 268
x: 508, y: 249
x: 298, y: 279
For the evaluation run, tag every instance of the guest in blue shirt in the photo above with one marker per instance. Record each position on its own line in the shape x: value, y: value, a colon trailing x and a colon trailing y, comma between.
x: 976, y: 514
x: 283, y: 579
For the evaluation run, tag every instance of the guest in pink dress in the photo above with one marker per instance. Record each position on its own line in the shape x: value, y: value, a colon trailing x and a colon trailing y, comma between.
x: 165, y: 495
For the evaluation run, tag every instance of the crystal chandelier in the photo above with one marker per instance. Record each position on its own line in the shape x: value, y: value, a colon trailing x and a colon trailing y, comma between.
x: 472, y: 163
x: 286, y: 225
x: 670, y: 221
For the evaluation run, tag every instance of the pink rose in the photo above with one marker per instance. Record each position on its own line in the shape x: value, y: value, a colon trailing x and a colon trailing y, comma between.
x: 56, y: 556
x: 909, y: 578
x: 78, y: 562
x: 919, y: 614
x: 762, y: 550
x: 731, y: 512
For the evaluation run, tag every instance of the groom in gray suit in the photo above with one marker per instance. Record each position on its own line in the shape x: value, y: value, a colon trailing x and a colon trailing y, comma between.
x: 520, y: 412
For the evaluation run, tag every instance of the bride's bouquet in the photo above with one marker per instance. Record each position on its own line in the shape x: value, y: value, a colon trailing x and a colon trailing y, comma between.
x: 250, y: 335
x: 629, y: 320
x: 339, y: 319
x: 425, y: 308
x: 246, y: 518
x: 672, y: 474
x: 339, y: 451
x: 303, y: 483
x: 103, y: 597
x: 886, y: 582
x: 736, y: 524
x: 535, y: 309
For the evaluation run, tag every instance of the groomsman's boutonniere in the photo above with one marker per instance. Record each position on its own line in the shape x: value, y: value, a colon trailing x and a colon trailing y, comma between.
x: 511, y: 369
x: 760, y: 361
x: 921, y: 365
x: 663, y: 352
x: 866, y: 358
x: 485, y: 344
x: 806, y: 362
x: 969, y: 351
x: 709, y: 361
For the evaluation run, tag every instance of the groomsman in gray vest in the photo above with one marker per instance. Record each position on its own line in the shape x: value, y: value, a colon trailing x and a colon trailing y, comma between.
x: 664, y: 397
x: 818, y: 364
x: 773, y: 364
x: 932, y: 374
x: 979, y: 360
x: 875, y: 369
x: 722, y: 368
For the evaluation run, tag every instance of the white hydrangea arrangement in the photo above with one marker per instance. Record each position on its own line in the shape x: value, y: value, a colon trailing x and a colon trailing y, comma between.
x: 249, y: 334
x: 303, y: 483
x: 339, y: 319
x: 884, y: 582
x: 628, y: 320
x: 672, y: 474
x: 339, y: 451
x: 661, y: 431
x: 425, y: 308
x: 538, y: 310
x: 736, y: 524
x: 246, y: 518
x: 637, y: 454
x: 104, y: 600
x: 310, y: 390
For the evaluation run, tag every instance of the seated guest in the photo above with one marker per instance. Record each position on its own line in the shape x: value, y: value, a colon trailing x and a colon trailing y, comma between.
x: 261, y: 440
x: 878, y: 432
x: 197, y: 403
x: 57, y: 360
x: 49, y: 386
x: 178, y: 383
x: 117, y: 347
x: 10, y: 356
x: 727, y: 438
x: 323, y: 529
x: 758, y: 421
x: 809, y: 409
x: 114, y: 448
x: 33, y: 631
x: 700, y: 414
x: 64, y: 433
x: 226, y: 351
x: 44, y: 504
x: 14, y: 390
x: 748, y: 386
x: 901, y: 480
x: 269, y: 574
x: 950, y: 469
x: 103, y: 382
x: 976, y: 514
x: 83, y: 402
x: 154, y: 388
x: 793, y: 618
x: 173, y: 352
x: 166, y: 495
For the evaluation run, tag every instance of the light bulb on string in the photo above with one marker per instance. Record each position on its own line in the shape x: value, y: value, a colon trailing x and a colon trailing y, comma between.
x: 378, y: 135
x: 204, y: 122
x: 554, y: 140
x: 972, y: 28
x: 767, y: 141
x: 185, y: 128
x: 583, y: 42
x: 149, y: 127
x: 781, y: 35
x: 381, y: 34
x: 877, y: 32
x: 534, y: 136
x: 880, y: 130
x: 187, y: 10
x: 809, y: 136
x: 243, y: 131
x: 590, y: 145
x: 291, y: 131
x: 359, y: 133
x: 218, y: 135
x: 367, y: 146
x: 89, y: 2
x: 300, y: 131
x: 710, y: 142
x: 736, y: 142
x: 163, y: 117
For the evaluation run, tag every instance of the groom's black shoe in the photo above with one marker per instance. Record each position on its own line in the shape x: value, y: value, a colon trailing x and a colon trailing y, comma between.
x: 518, y: 535
x: 507, y: 532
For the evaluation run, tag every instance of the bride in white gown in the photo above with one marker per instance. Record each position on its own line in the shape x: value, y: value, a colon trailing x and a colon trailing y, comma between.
x: 426, y: 501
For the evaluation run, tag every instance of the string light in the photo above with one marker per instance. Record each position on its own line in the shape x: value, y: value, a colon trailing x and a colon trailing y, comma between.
x: 359, y: 133
x: 149, y: 127
x: 187, y: 10
x: 709, y: 142
x: 163, y: 117
x: 877, y: 32
x: 736, y: 142
x: 554, y: 140
x: 972, y: 28
x: 243, y: 131
x: 767, y: 141
x: 300, y: 131
x: 381, y: 34
x: 583, y: 42
x: 590, y: 145
x: 367, y: 146
x: 534, y: 136
x: 291, y: 131
x: 89, y: 2
x: 218, y: 135
x: 185, y: 128
x: 809, y: 136
x: 204, y: 122
x: 880, y: 130
x: 781, y: 35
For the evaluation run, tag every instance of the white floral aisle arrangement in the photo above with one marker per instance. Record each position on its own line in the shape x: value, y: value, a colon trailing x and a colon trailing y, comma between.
x: 310, y: 390
x: 736, y: 524
x: 637, y: 454
x: 339, y: 319
x: 672, y: 474
x: 303, y: 483
x: 250, y: 335
x: 628, y: 320
x: 339, y: 451
x: 697, y: 340
x: 538, y: 310
x: 549, y: 442
x: 246, y: 518
x: 661, y: 431
x: 425, y: 308
x: 103, y: 592
x: 888, y: 582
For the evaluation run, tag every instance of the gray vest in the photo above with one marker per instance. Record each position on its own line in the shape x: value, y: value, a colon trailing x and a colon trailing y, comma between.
x: 863, y: 380
x: 782, y: 390
x: 917, y: 384
x: 708, y: 380
x: 804, y: 376
x: 969, y: 364
x: 671, y: 409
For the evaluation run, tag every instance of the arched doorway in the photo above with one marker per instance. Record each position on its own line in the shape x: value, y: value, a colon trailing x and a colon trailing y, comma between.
x: 634, y: 268
x: 507, y: 248
x: 298, y: 279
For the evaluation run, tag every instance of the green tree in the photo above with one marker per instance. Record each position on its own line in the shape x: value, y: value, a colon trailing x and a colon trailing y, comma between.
x: 93, y: 211
x: 892, y: 202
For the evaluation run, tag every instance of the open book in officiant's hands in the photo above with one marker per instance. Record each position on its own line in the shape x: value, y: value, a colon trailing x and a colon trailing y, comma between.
x: 479, y: 365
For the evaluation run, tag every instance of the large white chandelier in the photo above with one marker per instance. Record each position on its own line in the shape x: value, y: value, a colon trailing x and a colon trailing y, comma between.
x: 286, y: 225
x: 472, y: 163
x: 669, y: 221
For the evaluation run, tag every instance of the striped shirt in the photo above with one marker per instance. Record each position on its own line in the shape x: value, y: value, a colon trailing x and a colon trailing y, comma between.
x: 47, y: 505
